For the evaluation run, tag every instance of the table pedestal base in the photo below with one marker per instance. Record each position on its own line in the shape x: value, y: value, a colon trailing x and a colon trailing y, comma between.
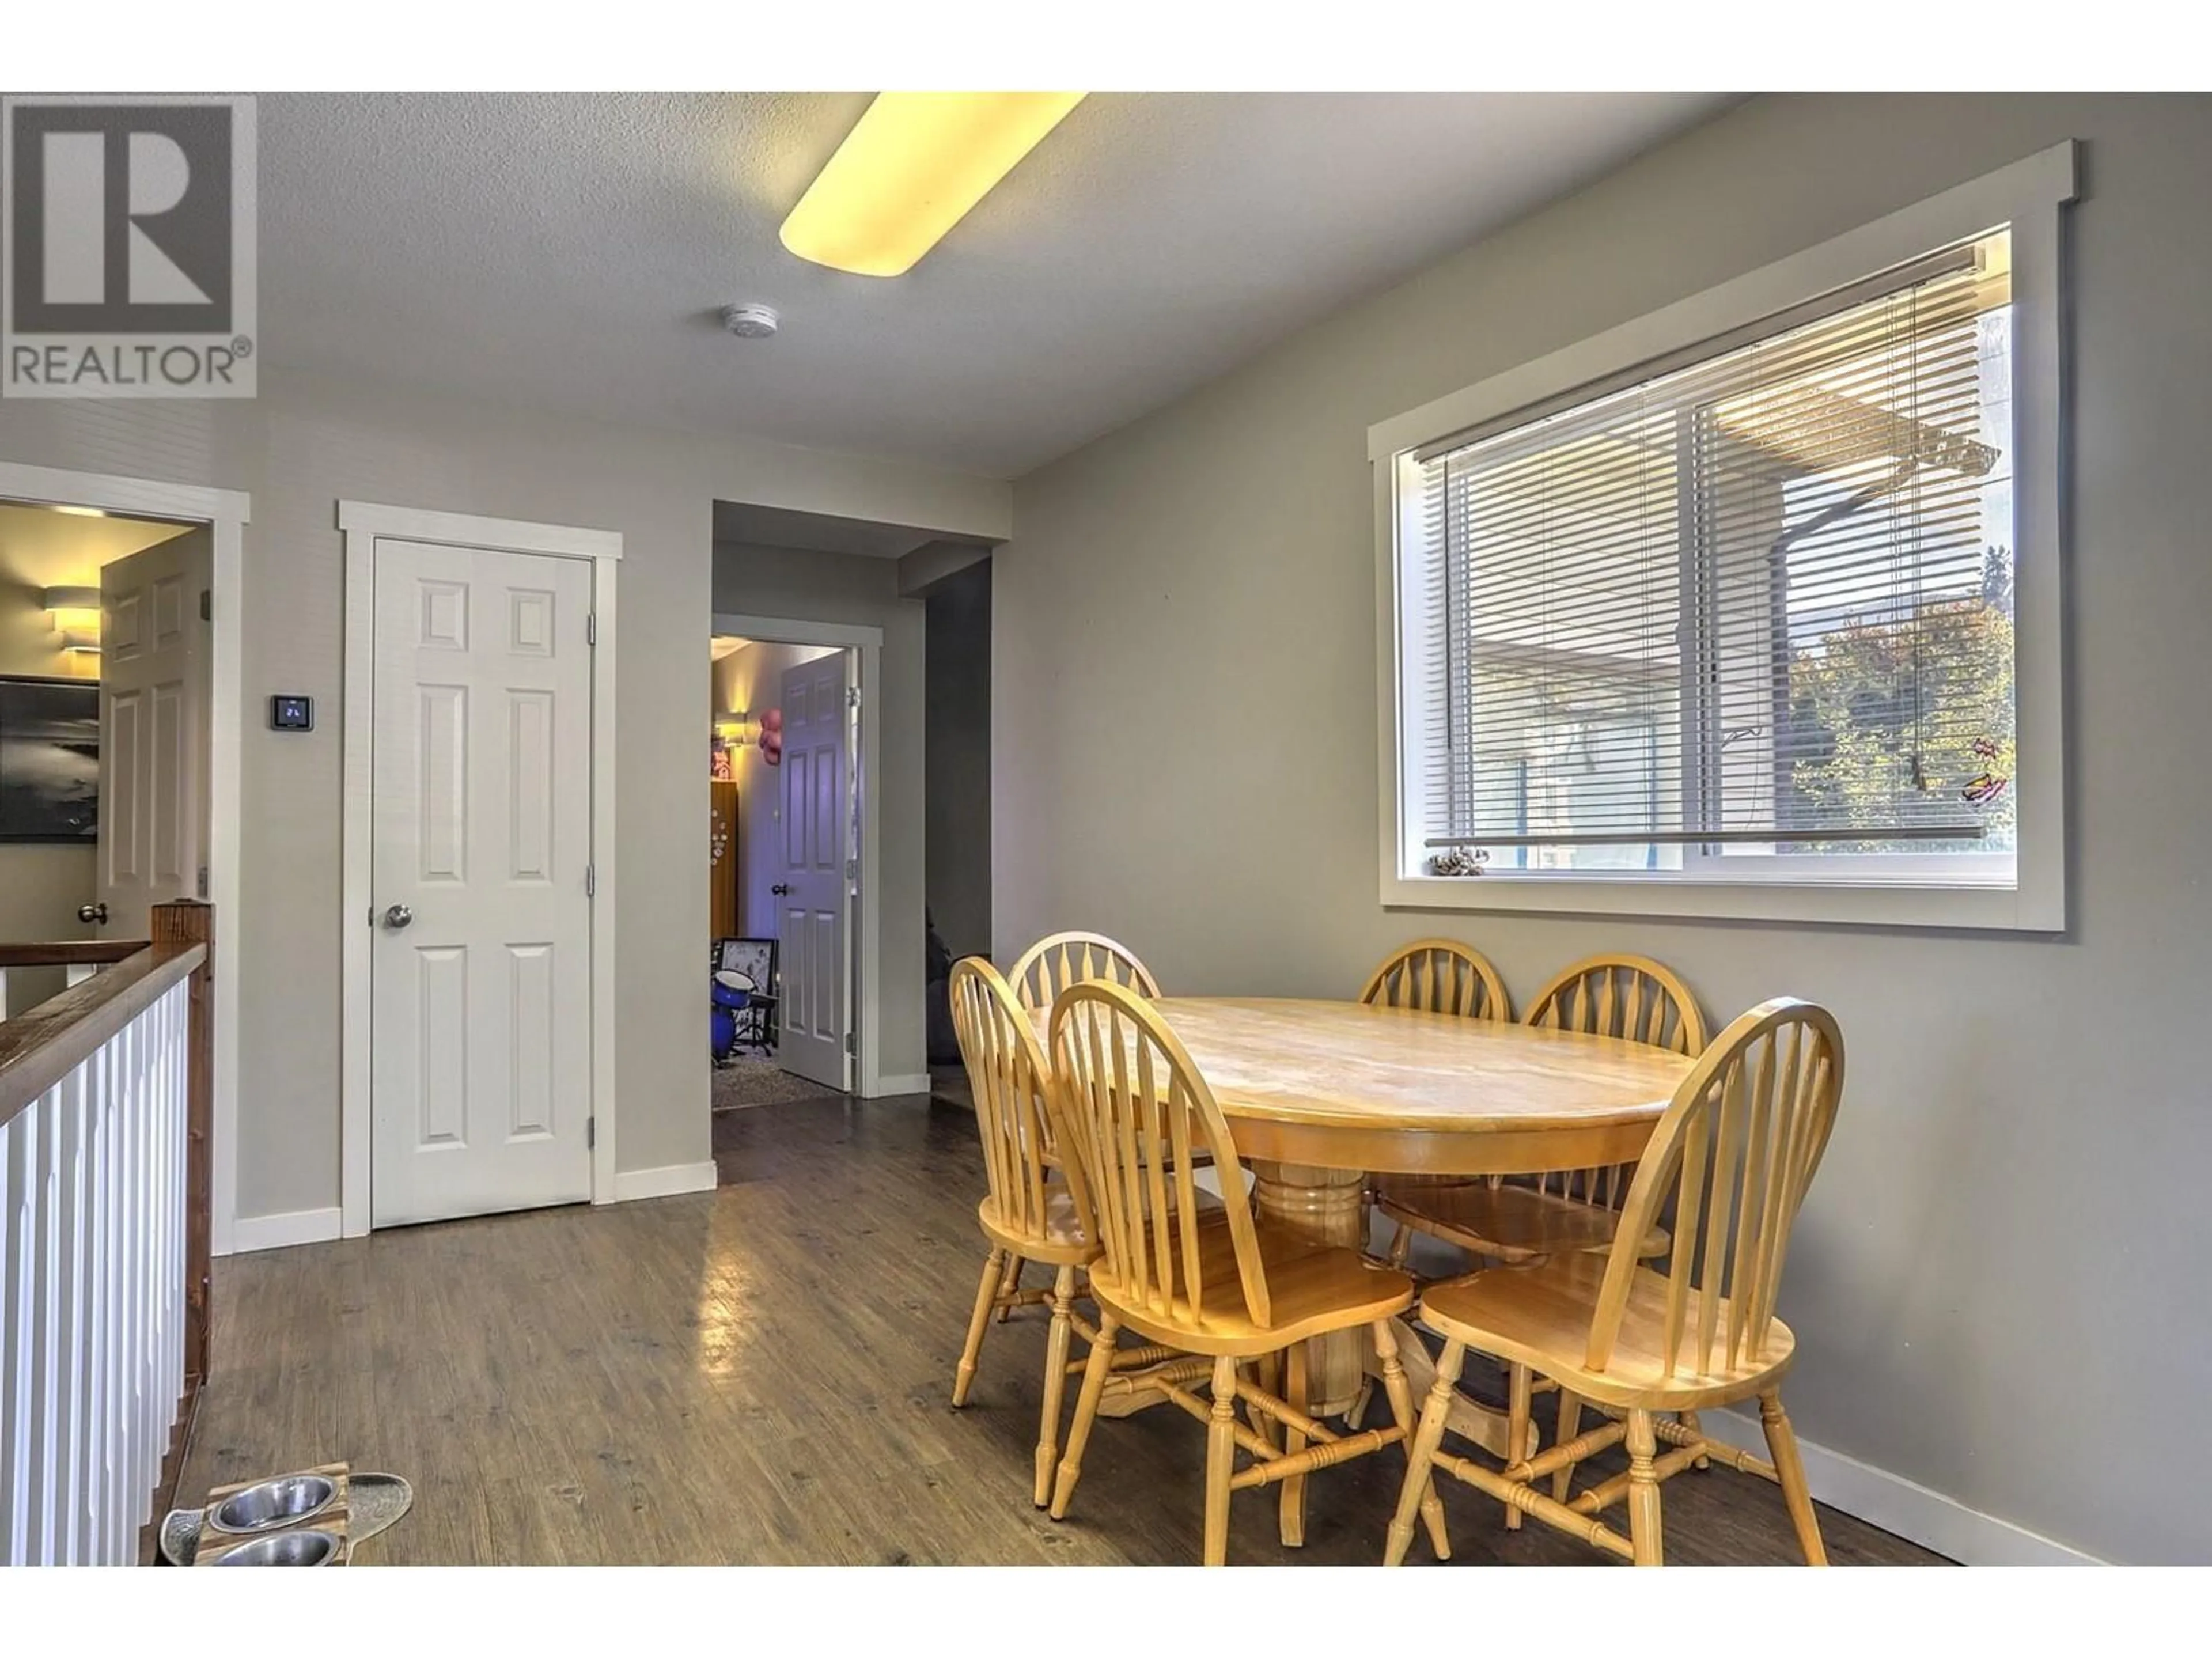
x: 1328, y: 1206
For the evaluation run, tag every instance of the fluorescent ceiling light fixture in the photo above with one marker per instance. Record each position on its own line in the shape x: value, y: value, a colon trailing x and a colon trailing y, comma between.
x: 81, y: 512
x: 910, y: 170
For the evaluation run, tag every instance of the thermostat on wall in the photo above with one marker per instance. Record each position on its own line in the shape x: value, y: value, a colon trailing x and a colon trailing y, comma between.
x: 290, y: 713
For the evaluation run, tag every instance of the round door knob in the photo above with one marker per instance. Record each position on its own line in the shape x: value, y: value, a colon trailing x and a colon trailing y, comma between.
x: 781, y: 889
x: 397, y: 917
x: 92, y: 913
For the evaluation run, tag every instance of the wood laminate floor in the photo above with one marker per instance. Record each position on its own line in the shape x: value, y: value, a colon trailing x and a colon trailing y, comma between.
x: 761, y: 1373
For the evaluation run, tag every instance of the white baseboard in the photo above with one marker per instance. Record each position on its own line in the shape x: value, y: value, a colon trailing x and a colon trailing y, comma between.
x: 1896, y: 1505
x: 902, y: 1083
x: 665, y: 1181
x: 278, y: 1232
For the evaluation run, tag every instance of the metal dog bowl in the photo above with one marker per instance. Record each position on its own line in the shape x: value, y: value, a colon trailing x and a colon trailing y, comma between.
x: 307, y: 1548
x: 279, y: 1503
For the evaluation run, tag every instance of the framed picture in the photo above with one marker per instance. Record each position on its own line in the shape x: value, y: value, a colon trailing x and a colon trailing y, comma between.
x: 49, y: 760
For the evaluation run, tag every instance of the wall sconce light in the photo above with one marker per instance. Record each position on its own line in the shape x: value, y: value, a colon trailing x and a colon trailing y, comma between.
x: 737, y: 727
x: 76, y: 611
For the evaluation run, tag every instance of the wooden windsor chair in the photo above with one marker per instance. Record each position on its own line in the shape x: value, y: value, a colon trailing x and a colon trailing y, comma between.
x: 1042, y: 973
x: 1733, y: 1156
x: 1029, y: 1214
x: 1059, y: 960
x: 1523, y: 1219
x: 1199, y: 1280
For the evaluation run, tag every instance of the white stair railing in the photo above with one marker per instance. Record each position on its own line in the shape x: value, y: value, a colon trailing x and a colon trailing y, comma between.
x: 102, y: 1263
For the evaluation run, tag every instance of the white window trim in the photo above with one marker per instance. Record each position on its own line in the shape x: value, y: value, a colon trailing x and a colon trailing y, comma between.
x: 2028, y: 196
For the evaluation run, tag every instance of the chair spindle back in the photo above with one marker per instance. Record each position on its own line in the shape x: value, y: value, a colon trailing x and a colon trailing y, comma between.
x: 1009, y: 1076
x: 1632, y: 998
x: 1443, y: 976
x: 1131, y: 1113
x: 1735, y: 1153
x: 1057, y: 961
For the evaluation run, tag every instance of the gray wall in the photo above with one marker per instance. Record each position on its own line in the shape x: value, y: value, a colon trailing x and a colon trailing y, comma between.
x: 1997, y: 1282
x: 845, y: 587
x: 958, y: 760
x: 303, y: 446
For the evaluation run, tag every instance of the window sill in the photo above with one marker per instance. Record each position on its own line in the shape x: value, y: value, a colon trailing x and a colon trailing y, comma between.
x: 1869, y: 904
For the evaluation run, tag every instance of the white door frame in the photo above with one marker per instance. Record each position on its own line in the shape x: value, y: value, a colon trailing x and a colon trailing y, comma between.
x: 867, y: 925
x: 225, y: 513
x: 363, y: 523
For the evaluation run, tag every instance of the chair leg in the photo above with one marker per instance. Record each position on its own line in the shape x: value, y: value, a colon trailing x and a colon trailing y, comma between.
x: 1095, y: 1373
x: 1782, y: 1446
x: 1220, y: 1459
x: 1689, y: 1420
x: 1055, y: 1382
x: 1518, y: 1428
x: 964, y: 1377
x: 1358, y: 1412
x: 1643, y: 1492
x: 1010, y: 1283
x: 1401, y: 1409
x: 1268, y: 1371
x: 1570, y: 1425
x: 1422, y: 1457
x: 1401, y: 1246
x: 1291, y: 1501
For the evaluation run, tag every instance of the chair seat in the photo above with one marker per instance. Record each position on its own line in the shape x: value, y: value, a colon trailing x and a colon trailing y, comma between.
x: 1313, y: 1289
x: 1060, y: 1242
x: 1513, y: 1224
x: 1539, y: 1316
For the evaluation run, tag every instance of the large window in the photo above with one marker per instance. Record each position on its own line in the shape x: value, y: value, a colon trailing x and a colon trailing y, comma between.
x: 1742, y: 615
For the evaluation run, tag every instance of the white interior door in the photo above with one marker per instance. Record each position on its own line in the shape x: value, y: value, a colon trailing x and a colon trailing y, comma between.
x: 480, y: 1022
x: 153, y: 679
x: 813, y: 886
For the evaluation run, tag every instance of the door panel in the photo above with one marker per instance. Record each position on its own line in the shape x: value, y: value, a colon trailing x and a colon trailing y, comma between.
x: 155, y: 661
x: 480, y: 1022
x: 817, y: 1006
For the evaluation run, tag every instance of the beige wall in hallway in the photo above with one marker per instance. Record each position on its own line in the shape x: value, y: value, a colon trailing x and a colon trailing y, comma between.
x: 1999, y: 1279
x: 301, y: 446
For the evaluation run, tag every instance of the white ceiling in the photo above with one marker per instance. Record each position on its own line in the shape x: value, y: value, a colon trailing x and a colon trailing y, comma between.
x: 571, y: 251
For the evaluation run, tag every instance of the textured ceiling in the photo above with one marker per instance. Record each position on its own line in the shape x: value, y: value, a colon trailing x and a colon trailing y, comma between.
x: 570, y: 253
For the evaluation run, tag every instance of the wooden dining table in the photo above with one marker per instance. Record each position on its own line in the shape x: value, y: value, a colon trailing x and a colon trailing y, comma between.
x: 1322, y: 1095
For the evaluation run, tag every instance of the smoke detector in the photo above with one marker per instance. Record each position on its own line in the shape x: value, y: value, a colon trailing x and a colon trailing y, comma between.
x: 751, y: 322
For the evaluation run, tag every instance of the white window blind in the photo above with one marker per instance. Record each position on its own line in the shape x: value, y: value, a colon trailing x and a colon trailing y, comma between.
x: 1754, y: 604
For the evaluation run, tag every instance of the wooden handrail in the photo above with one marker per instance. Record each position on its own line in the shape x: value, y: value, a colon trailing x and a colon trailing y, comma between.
x: 38, y: 1050
x: 70, y: 952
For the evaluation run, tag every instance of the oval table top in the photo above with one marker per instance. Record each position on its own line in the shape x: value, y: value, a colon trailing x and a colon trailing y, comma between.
x: 1346, y: 1085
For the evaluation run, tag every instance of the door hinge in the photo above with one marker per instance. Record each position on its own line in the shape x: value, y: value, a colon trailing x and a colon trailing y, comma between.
x: 202, y: 881
x: 590, y: 881
x: 591, y: 1132
x: 851, y: 696
x: 207, y: 604
x: 852, y: 1043
x: 591, y: 628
